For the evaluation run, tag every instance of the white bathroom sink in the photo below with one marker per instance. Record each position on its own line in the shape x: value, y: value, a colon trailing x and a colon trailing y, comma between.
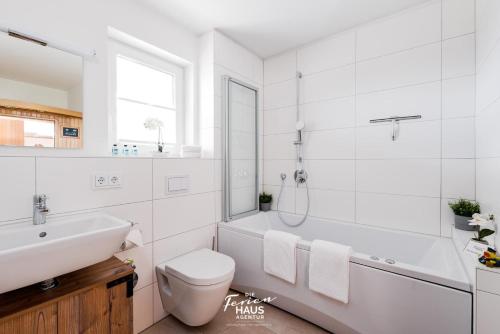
x: 34, y: 253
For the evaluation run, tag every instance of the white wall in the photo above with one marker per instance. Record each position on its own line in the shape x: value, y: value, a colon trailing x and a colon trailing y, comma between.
x: 488, y: 106
x: 85, y: 25
x: 220, y: 56
x: 170, y: 225
x: 27, y: 92
x: 419, y: 61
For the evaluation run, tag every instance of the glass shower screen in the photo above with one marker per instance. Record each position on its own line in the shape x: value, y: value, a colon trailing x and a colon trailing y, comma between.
x: 240, y: 155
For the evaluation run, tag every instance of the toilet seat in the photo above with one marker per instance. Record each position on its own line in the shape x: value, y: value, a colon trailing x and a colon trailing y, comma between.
x: 201, y: 267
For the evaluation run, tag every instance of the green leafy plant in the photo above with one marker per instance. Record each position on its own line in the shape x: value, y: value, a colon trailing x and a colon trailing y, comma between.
x: 465, y: 208
x: 265, y: 198
x: 486, y: 226
x: 483, y: 233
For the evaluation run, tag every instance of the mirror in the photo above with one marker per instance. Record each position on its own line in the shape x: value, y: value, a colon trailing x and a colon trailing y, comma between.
x: 40, y: 94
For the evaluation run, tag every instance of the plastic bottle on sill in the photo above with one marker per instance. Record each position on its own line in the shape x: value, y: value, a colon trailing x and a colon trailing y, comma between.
x: 135, y: 150
x: 125, y: 150
x: 114, y: 150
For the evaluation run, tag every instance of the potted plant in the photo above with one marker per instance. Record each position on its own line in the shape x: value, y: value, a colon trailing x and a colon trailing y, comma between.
x: 265, y: 201
x: 463, y: 210
x: 486, y: 227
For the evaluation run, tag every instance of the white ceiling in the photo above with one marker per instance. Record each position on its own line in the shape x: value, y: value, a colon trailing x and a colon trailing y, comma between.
x: 268, y: 27
x: 39, y: 65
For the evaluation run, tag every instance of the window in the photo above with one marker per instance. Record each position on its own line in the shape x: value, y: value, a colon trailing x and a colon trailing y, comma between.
x: 147, y: 87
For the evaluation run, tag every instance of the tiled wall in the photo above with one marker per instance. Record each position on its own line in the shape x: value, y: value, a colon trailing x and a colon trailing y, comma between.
x: 220, y: 56
x: 488, y: 106
x: 169, y: 224
x: 419, y: 61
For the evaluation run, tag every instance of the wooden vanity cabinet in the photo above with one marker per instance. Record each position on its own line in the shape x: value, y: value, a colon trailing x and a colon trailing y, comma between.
x: 96, y: 299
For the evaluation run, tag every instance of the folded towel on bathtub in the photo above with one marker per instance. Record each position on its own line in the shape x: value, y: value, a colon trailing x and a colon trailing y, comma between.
x: 329, y: 269
x: 279, y: 254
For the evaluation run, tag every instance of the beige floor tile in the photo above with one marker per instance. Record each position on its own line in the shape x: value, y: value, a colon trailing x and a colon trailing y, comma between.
x: 276, y: 322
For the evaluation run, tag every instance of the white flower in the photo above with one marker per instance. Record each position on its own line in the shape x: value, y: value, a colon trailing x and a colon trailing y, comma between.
x: 153, y: 123
x: 478, y: 220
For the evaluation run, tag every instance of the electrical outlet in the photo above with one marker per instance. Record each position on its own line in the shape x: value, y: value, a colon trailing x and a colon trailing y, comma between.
x: 115, y: 180
x: 100, y: 180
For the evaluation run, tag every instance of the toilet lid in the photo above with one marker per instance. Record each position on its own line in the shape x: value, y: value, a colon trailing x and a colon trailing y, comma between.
x: 201, y: 267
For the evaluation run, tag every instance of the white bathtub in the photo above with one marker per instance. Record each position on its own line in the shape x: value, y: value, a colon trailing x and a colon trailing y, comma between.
x: 425, y: 290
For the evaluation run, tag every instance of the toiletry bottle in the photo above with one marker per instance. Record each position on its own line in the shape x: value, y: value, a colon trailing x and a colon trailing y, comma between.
x: 135, y: 150
x: 114, y: 150
x: 125, y: 149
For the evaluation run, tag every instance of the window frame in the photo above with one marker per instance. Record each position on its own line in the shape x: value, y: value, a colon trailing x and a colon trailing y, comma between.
x: 119, y: 49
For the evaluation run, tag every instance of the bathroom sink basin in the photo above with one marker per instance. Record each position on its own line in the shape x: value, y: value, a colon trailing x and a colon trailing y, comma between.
x: 34, y: 253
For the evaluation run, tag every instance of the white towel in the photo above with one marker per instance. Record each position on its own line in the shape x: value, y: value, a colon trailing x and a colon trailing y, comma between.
x: 279, y: 254
x: 133, y: 239
x: 329, y: 269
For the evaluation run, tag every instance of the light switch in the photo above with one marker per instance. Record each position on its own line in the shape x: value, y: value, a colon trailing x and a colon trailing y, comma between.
x: 177, y: 184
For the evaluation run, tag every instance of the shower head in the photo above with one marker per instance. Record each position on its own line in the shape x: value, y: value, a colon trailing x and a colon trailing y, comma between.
x: 300, y: 125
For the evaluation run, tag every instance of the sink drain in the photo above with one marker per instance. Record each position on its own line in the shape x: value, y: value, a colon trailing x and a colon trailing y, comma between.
x: 42, y: 234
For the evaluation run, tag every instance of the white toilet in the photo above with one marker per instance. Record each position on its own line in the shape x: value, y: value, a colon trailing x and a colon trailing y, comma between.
x: 193, y: 286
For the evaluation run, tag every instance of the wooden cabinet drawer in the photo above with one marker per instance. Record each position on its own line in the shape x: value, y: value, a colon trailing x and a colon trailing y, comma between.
x: 488, y: 281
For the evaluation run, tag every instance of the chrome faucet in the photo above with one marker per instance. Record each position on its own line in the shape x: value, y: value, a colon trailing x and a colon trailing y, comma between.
x: 40, y: 209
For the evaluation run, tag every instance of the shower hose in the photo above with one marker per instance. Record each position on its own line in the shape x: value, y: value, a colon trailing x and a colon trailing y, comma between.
x: 283, y: 220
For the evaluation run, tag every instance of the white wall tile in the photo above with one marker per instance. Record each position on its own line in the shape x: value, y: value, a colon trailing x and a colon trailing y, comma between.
x: 422, y: 100
x: 329, y: 84
x: 143, y: 260
x: 415, y: 214
x: 69, y: 182
x: 459, y: 97
x: 143, y: 309
x: 141, y: 213
x: 459, y: 56
x: 488, y: 179
x: 287, y: 201
x: 419, y: 177
x: 447, y: 218
x: 416, y: 140
x: 280, y: 68
x: 331, y: 144
x: 488, y: 27
x: 328, y: 53
x: 199, y: 171
x: 158, y: 311
x: 328, y: 204
x: 273, y: 169
x: 458, y: 17
x: 405, y: 30
x: 459, y: 178
x: 331, y: 174
x: 171, y: 247
x: 488, y: 80
x: 329, y: 114
x: 180, y: 214
x: 279, y: 146
x: 218, y: 206
x: 411, y: 67
x: 280, y: 120
x: 488, y: 132
x: 17, y: 179
x: 280, y: 94
x: 458, y: 138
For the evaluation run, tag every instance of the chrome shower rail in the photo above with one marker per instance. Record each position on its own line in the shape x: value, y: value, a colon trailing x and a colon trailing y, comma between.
x: 395, y: 118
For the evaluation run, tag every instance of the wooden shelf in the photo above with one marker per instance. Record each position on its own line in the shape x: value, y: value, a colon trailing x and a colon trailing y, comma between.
x: 13, y: 104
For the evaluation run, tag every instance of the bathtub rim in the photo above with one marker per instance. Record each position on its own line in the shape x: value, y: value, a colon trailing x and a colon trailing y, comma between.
x: 401, y: 268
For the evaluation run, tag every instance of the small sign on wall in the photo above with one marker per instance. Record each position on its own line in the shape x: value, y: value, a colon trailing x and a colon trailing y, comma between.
x: 70, y: 132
